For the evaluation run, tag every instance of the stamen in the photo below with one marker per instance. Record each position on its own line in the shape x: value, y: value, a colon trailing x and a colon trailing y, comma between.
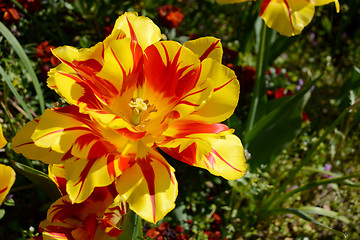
x: 138, y: 106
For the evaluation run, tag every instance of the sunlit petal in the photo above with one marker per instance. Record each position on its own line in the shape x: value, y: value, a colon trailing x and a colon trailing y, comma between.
x: 2, y: 138
x: 7, y: 179
x: 22, y: 143
x: 149, y: 186
x: 288, y: 17
x: 324, y: 2
x: 206, y: 47
x: 140, y: 29
x: 224, y: 97
x: 209, y: 146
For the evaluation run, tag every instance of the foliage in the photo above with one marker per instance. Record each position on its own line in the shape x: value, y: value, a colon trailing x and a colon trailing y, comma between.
x: 289, y: 190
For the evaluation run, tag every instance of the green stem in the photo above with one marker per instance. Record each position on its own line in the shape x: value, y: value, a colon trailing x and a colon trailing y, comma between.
x: 131, y: 226
x: 259, y: 97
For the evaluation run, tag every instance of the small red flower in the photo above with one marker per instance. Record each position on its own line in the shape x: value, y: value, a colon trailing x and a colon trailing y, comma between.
x: 170, y: 16
x: 8, y: 13
x: 153, y: 233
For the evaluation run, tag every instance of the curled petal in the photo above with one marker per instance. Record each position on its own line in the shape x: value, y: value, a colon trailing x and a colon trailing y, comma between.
x: 149, y: 186
x: 83, y: 175
x: 206, y: 47
x: 140, y: 29
x: 324, y: 2
x: 288, y: 17
x: 7, y: 179
x: 224, y: 97
x: 209, y: 146
x: 22, y: 143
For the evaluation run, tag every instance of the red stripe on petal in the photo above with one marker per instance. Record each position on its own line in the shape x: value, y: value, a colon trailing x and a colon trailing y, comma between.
x: 132, y: 32
x: 83, y: 175
x: 218, y: 88
x: 111, y: 166
x: 289, y: 12
x: 211, y: 48
x: 3, y: 190
x: 188, y: 103
x: 263, y: 6
x: 63, y: 130
x: 222, y: 159
x: 149, y: 176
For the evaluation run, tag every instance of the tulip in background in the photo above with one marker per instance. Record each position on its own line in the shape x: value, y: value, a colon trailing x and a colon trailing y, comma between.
x: 7, y: 174
x: 288, y: 17
x: 129, y: 96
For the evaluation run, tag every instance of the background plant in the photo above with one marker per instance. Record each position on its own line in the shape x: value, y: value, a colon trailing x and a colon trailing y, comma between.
x: 287, y: 177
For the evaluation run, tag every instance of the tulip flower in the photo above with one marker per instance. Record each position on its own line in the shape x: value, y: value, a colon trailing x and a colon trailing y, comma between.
x: 130, y: 95
x: 288, y: 17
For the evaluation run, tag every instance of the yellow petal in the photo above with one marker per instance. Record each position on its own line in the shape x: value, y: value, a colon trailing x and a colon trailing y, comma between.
x: 209, y: 146
x: 83, y: 175
x: 171, y: 72
x: 7, y: 179
x: 324, y: 2
x: 224, y: 98
x: 206, y: 47
x: 149, y: 186
x: 123, y: 64
x: 2, y: 138
x: 287, y: 17
x: 22, y: 143
x: 140, y: 29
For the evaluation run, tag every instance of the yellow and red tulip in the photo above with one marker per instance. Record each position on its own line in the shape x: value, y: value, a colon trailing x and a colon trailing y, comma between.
x: 288, y: 17
x: 98, y: 217
x: 128, y: 96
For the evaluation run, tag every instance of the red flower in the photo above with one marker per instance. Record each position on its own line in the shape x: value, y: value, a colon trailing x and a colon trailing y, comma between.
x: 8, y: 13
x: 170, y: 16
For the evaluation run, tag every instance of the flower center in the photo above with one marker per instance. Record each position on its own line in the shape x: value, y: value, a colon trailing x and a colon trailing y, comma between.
x: 138, y: 106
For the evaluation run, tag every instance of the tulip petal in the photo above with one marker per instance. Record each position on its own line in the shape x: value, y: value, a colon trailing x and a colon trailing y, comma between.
x: 140, y: 29
x: 288, y: 17
x: 149, y: 186
x: 206, y: 47
x: 64, y: 130
x: 83, y: 175
x: 22, y: 143
x: 2, y: 138
x: 324, y: 2
x: 209, y: 146
x: 224, y: 98
x: 7, y: 179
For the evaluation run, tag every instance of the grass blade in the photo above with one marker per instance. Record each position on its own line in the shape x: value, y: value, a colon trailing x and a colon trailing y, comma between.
x: 325, y: 212
x: 305, y: 216
x: 26, y: 62
x: 14, y: 91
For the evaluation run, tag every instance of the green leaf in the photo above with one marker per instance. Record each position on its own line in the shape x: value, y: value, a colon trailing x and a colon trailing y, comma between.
x: 15, y: 92
x: 324, y: 212
x: 305, y: 216
x: 38, y: 178
x: 2, y: 213
x: 26, y: 62
x: 132, y: 227
x: 274, y: 131
x: 281, y: 198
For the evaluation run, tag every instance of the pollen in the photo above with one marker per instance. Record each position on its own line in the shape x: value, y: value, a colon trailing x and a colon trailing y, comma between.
x: 138, y: 106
